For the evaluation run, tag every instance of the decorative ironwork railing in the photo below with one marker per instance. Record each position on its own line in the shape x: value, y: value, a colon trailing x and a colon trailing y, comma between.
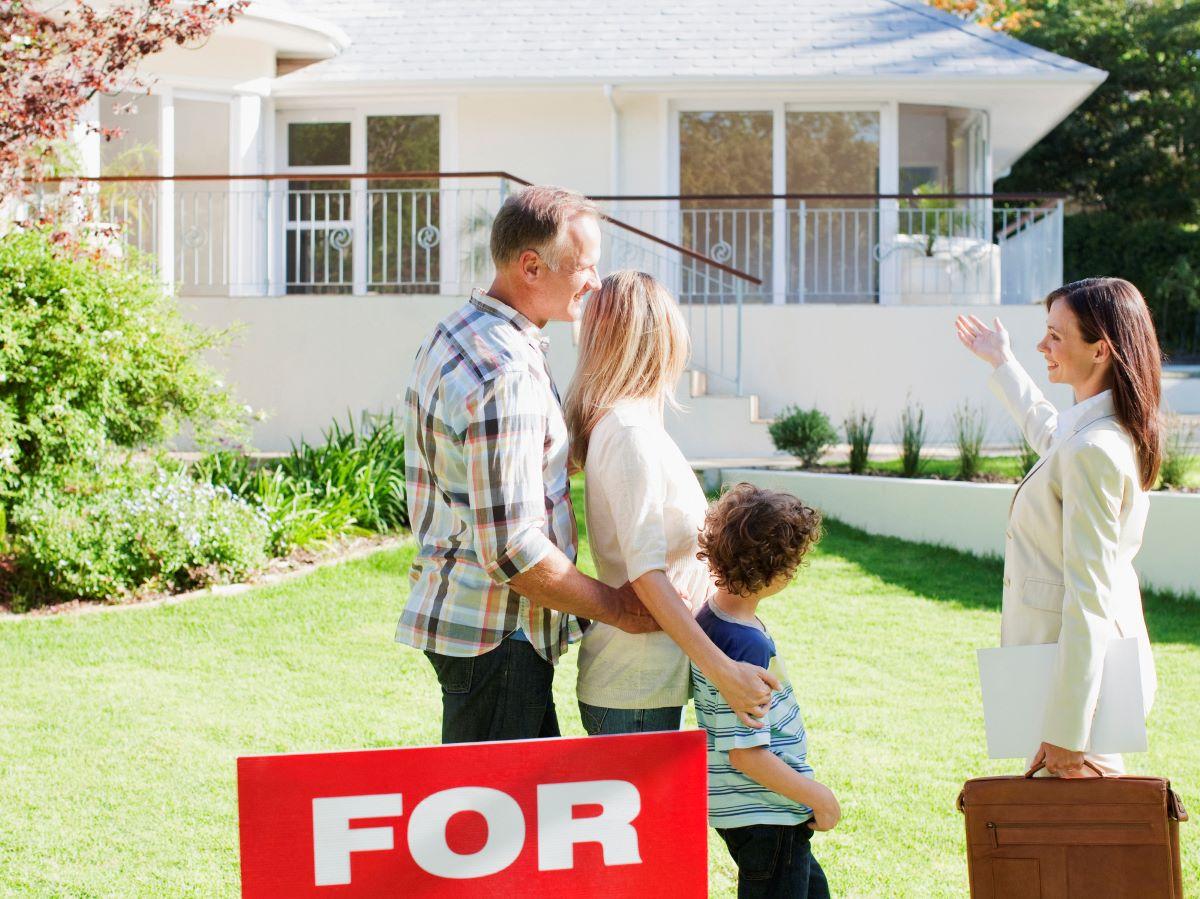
x: 927, y: 250
x: 427, y: 232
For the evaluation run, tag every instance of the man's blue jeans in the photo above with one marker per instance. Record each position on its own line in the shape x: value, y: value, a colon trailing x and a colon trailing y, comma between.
x: 597, y: 720
x: 504, y: 694
x: 774, y: 862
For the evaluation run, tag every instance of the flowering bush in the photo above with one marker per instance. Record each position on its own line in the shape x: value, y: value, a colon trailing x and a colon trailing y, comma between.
x: 133, y: 528
x: 94, y: 354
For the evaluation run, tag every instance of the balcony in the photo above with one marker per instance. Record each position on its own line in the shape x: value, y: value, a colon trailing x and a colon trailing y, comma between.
x: 426, y: 233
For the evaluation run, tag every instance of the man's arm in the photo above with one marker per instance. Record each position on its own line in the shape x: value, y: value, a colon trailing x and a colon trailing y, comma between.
x: 767, y: 769
x: 556, y: 583
x: 503, y: 449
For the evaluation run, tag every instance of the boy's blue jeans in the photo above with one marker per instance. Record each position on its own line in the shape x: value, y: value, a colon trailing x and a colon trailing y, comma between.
x: 598, y: 720
x: 774, y: 861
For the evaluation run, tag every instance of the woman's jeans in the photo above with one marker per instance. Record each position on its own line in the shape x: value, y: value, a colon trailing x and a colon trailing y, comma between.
x: 774, y: 860
x: 599, y: 720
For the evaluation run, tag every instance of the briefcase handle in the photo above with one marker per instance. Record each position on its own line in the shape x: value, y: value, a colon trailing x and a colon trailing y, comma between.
x: 1040, y: 765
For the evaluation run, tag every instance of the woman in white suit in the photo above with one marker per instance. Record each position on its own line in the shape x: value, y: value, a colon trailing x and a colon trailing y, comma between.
x: 1077, y: 518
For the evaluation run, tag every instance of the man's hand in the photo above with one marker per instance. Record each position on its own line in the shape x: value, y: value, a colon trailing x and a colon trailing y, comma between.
x: 1061, y: 762
x: 747, y: 690
x: 826, y: 811
x: 631, y: 616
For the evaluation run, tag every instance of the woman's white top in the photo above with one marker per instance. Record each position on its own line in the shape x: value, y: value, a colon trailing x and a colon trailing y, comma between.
x: 645, y: 509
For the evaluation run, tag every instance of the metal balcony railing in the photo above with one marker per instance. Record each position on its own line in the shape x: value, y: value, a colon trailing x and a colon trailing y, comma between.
x: 944, y: 249
x: 427, y: 232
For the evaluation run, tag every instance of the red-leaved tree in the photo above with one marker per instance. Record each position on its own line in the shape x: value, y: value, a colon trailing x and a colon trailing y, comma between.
x: 54, y: 57
x: 999, y: 15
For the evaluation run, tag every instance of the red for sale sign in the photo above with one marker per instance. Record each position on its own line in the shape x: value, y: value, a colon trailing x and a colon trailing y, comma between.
x: 592, y: 816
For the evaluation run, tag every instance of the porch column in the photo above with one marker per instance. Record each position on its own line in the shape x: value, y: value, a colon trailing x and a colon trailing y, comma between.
x: 87, y: 138
x: 779, y: 223
x: 889, y: 215
x: 165, y: 234
x: 247, y: 199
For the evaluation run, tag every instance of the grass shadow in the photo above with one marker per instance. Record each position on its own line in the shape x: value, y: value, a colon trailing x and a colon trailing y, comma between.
x: 973, y: 582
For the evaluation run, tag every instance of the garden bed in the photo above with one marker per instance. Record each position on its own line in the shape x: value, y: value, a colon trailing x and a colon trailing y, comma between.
x: 299, y: 562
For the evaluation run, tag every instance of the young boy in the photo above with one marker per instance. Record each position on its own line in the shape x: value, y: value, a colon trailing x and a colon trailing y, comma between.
x: 762, y: 797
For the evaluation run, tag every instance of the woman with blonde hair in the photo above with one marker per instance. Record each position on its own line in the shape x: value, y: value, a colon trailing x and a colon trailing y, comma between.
x: 644, y: 513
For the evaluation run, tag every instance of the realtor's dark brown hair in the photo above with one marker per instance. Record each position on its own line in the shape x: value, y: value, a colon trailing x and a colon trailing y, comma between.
x: 1113, y: 310
x: 752, y: 536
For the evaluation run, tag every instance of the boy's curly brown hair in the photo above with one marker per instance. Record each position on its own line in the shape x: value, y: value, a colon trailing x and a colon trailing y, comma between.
x: 751, y: 536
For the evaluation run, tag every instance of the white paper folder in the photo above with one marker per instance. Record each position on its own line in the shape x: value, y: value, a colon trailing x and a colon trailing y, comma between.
x: 1015, y: 682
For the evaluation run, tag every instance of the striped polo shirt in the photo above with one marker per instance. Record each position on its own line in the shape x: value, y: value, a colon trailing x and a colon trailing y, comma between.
x: 734, y: 800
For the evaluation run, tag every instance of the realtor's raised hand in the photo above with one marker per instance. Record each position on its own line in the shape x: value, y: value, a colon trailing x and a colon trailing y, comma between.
x: 992, y: 345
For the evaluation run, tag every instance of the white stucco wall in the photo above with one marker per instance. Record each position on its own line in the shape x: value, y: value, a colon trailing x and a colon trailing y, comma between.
x: 222, y: 59
x: 548, y: 137
x: 971, y: 517
x: 872, y: 357
x: 308, y: 359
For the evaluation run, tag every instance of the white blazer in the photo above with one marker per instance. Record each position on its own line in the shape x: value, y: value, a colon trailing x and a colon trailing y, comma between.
x: 1075, y: 524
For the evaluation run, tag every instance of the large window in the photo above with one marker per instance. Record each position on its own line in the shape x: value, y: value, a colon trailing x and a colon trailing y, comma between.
x: 396, y: 223
x: 405, y: 215
x: 726, y: 153
x: 832, y: 241
x: 824, y: 152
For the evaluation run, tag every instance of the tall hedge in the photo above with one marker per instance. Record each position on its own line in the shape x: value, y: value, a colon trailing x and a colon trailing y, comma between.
x: 1162, y: 259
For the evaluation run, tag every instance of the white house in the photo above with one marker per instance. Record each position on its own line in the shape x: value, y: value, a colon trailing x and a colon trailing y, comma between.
x: 761, y: 157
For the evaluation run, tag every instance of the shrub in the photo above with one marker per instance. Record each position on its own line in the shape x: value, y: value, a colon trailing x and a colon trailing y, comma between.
x: 1161, y: 258
x: 860, y: 431
x: 129, y: 529
x: 94, y: 354
x: 1177, y: 458
x: 970, y: 427
x: 299, y: 519
x: 351, y: 484
x: 911, y: 437
x: 806, y: 434
x: 365, y: 464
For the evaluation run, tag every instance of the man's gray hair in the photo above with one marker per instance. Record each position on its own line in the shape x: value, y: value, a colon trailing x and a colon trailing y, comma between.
x: 536, y: 218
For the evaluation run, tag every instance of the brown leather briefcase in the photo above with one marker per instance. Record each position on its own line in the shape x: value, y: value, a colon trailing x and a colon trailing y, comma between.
x: 1081, y: 838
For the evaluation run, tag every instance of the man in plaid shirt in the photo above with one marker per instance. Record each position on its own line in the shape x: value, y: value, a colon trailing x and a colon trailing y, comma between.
x: 495, y: 592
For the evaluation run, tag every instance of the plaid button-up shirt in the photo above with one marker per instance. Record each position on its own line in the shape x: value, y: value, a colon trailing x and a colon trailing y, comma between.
x: 486, y: 464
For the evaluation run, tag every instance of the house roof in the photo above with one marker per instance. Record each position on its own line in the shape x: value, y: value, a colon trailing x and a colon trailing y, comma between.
x: 522, y: 41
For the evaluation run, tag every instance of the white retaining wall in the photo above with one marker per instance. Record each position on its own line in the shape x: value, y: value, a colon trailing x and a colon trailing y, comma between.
x: 972, y: 517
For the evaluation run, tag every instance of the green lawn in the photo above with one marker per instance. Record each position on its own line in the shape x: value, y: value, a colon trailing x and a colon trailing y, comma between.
x: 119, y: 730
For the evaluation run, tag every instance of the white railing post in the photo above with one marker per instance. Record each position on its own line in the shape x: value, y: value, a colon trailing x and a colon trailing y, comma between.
x: 802, y: 252
x: 360, y: 225
x: 889, y: 210
x: 1057, y: 264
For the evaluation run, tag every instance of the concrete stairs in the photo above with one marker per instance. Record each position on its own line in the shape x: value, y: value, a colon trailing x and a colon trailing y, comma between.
x: 713, y: 427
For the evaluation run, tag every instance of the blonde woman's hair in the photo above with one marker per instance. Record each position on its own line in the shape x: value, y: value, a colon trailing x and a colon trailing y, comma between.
x: 634, y: 344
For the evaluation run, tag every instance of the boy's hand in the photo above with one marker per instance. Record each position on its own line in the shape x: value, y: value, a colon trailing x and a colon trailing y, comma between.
x: 826, y: 811
x: 747, y: 690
